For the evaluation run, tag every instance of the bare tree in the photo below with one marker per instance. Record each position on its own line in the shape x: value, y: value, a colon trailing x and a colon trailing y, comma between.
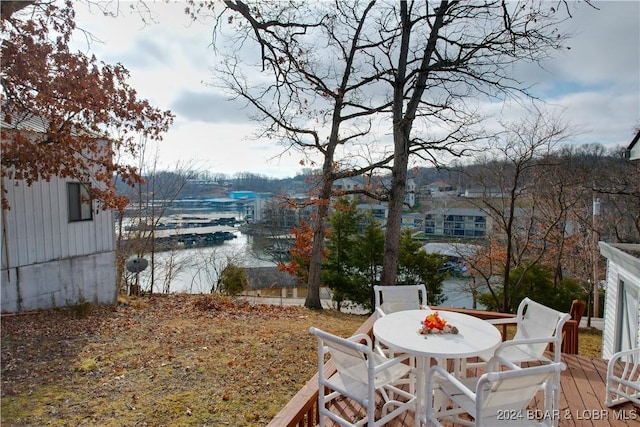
x: 317, y: 100
x: 465, y: 49
x: 556, y: 191
x: 210, y: 265
x: 338, y: 71
x: 271, y: 238
x: 522, y: 225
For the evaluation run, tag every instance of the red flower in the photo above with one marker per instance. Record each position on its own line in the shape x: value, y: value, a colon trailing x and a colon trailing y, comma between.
x: 434, y: 321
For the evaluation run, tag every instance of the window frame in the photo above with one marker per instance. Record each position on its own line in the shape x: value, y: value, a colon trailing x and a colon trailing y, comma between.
x: 79, y: 202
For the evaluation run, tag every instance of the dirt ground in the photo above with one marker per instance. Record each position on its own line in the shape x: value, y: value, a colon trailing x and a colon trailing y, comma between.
x: 178, y: 360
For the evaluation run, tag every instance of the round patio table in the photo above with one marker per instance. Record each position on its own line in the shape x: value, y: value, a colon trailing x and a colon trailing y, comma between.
x: 400, y: 332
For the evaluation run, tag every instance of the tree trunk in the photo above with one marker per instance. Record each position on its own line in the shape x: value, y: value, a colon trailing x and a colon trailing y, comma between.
x: 396, y: 201
x: 315, y: 263
x: 402, y: 125
x: 509, y: 250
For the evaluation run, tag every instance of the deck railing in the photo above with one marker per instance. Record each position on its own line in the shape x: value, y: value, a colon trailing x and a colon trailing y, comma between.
x: 302, y: 409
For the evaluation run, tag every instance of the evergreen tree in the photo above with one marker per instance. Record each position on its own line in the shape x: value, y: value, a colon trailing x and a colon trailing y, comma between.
x: 233, y: 280
x: 370, y: 250
x: 339, y: 272
x: 416, y: 266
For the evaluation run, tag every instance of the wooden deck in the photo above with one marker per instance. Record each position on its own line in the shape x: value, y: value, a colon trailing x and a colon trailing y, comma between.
x: 581, y: 400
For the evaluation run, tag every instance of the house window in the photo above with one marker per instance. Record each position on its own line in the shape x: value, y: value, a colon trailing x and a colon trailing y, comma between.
x: 80, y: 206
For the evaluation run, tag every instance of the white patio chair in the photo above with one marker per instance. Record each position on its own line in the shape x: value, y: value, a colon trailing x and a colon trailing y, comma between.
x: 537, y: 326
x: 623, y: 378
x: 497, y: 398
x: 361, y: 375
x: 389, y: 299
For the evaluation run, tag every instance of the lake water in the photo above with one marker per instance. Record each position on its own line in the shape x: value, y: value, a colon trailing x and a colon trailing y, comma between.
x: 196, y: 270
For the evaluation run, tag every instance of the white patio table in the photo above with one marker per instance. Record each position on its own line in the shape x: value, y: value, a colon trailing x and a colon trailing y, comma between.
x: 400, y: 332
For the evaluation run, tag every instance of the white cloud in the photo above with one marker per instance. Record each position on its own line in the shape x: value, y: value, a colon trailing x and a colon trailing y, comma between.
x: 224, y: 149
x: 209, y: 107
x: 596, y: 84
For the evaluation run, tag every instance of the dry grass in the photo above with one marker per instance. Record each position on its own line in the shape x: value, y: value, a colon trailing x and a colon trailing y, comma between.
x: 590, y: 342
x: 180, y: 360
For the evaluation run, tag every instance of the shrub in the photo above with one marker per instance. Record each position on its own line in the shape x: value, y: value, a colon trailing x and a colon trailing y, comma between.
x: 233, y: 280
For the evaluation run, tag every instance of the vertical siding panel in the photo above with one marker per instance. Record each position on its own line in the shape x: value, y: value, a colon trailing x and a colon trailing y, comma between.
x: 84, y: 237
x: 58, y: 206
x: 33, y: 208
x: 88, y: 236
x: 72, y: 244
x: 21, y: 255
x: 101, y: 236
x: 10, y: 228
x: 90, y: 244
x: 47, y: 225
x: 75, y: 240
x: 611, y: 311
x: 63, y: 222
x: 60, y: 224
x: 29, y: 222
x: 110, y: 244
x: 106, y: 231
x: 13, y: 227
x: 98, y: 217
x: 94, y: 225
x: 97, y: 228
x: 39, y: 214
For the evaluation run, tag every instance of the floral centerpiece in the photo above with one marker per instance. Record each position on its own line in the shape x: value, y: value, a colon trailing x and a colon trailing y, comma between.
x: 434, y: 324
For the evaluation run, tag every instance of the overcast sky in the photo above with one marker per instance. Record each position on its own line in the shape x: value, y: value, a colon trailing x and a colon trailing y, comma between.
x: 597, y: 82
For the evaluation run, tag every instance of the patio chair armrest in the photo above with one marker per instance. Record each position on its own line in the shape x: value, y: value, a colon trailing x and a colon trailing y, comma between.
x: 503, y: 321
x: 424, y: 307
x: 496, y: 375
x: 380, y: 312
x: 379, y: 350
x: 359, y: 338
x: 392, y: 361
x: 523, y: 341
x: 450, y: 378
x: 494, y: 364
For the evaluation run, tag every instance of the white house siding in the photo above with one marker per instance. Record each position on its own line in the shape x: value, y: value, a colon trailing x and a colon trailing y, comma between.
x: 47, y: 260
x: 621, y: 266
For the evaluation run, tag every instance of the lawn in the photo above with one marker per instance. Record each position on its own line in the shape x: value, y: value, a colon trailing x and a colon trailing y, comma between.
x: 176, y: 360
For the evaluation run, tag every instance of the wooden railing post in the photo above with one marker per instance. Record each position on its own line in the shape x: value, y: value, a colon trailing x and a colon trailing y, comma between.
x: 570, y: 339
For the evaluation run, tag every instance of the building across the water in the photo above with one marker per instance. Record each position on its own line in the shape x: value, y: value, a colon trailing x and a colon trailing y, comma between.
x: 456, y: 223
